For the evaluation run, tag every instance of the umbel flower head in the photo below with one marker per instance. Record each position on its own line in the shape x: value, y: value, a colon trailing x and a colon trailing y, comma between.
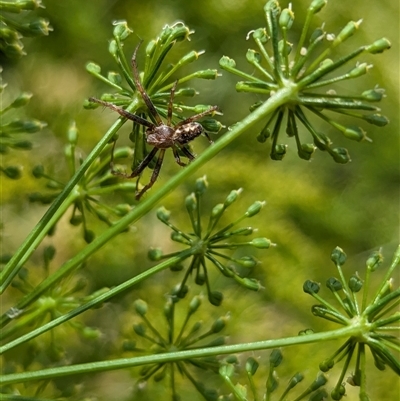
x: 309, y: 69
x: 187, y: 336
x: 88, y: 197
x: 312, y: 392
x: 206, y: 243
x: 372, y: 314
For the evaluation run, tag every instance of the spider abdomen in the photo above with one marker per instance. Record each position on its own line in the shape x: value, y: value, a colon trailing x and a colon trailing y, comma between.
x: 187, y: 133
x: 161, y: 136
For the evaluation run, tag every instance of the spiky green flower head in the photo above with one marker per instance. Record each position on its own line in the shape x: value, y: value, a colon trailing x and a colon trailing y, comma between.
x: 310, y: 72
x: 207, y: 243
x: 176, y: 337
x: 89, y: 197
x: 13, y: 29
x: 157, y: 80
x: 312, y: 392
x: 371, y: 312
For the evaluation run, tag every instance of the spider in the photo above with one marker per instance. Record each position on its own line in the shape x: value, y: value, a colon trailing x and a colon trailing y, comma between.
x: 159, y: 135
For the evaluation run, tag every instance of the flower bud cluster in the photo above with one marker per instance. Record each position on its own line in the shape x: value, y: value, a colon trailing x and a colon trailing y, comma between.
x: 279, y: 65
x: 371, y: 312
x: 208, y: 244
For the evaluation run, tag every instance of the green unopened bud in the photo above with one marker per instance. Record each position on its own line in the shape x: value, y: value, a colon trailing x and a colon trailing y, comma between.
x: 374, y: 260
x: 150, y: 48
x: 155, y: 254
x: 276, y: 357
x: 278, y: 152
x: 12, y: 172
x: 227, y: 63
x: 251, y: 284
x: 21, y: 100
x: 122, y: 209
x: 89, y: 236
x: 373, y: 95
x: 217, y: 210
x: 326, y: 365
x: 194, y: 304
x: 306, y: 151
x: 72, y: 133
x: 140, y: 307
x: 211, y: 125
x: 376, y: 119
x: 139, y: 329
x: 262, y: 243
x: 359, y: 70
x: 317, y: 5
x: 191, y: 203
x: 22, y: 145
x: 49, y: 253
x: 91, y: 333
x: 227, y: 370
x: 243, y: 231
x: 322, y: 141
x: 253, y: 57
x: 340, y: 155
x: 338, y: 256
x: 355, y: 283
x: 121, y: 30
x: 219, y: 324
x: 163, y: 214
x: 28, y: 126
x: 354, y: 133
x: 334, y: 284
x: 286, y: 18
x: 201, y: 185
x: 215, y: 298
x: 320, y: 395
x: 379, y: 46
x: 113, y: 48
x: 347, y: 31
x: 93, y: 68
x: 296, y: 379
x: 311, y: 287
x: 264, y: 134
x: 306, y: 332
x: 207, y: 74
x: 254, y: 209
x: 338, y: 393
x: 233, y: 195
x: 251, y: 366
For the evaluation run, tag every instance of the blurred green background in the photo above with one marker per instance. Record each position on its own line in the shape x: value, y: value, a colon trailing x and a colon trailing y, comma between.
x: 311, y: 206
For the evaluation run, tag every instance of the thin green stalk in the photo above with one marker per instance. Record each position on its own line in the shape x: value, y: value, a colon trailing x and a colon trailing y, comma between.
x: 123, y: 363
x: 96, y: 301
x: 280, y: 97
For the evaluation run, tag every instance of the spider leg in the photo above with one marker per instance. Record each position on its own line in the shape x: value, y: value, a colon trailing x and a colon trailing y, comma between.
x: 140, y: 88
x: 123, y: 113
x: 171, y: 102
x: 197, y: 116
x: 154, y: 176
x: 143, y: 164
x: 187, y: 153
x: 177, y: 157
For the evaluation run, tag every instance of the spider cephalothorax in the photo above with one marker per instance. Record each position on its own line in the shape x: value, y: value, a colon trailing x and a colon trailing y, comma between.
x: 160, y: 135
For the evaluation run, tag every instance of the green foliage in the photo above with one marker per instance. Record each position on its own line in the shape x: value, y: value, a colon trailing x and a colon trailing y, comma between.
x: 99, y: 252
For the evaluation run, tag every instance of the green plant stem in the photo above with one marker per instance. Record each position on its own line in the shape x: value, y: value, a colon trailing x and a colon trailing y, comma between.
x: 280, y: 97
x: 96, y: 301
x: 123, y: 363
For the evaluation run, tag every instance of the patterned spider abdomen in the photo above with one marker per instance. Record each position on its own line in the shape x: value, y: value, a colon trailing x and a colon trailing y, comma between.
x: 187, y: 133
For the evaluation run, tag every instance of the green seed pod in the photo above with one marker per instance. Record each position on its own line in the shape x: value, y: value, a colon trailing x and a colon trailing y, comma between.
x: 121, y: 30
x: 140, y: 307
x: 72, y: 133
x: 201, y: 185
x: 338, y: 256
x: 163, y: 214
x: 215, y: 298
x: 278, y: 152
x: 262, y: 243
x: 373, y: 95
x: 334, y: 284
x: 251, y: 366
x: 233, y: 195
x: 296, y: 379
x: 206, y: 74
x: 114, y: 77
x: 227, y: 63
x: 12, y: 172
x: 286, y: 18
x: 49, y: 253
x: 191, y: 203
x: 306, y: 151
x: 22, y: 145
x: 311, y: 287
x: 93, y: 68
x: 276, y: 357
x: 211, y: 125
x: 254, y: 209
x: 347, y: 31
x: 260, y: 34
x: 374, y: 260
x: 355, y: 283
x: 251, y: 283
x: 113, y: 48
x: 194, y: 304
x: 378, y: 46
x: 21, y: 100
x: 317, y: 5
x: 376, y: 119
x: 359, y: 70
x: 139, y: 329
x: 155, y: 254
x: 219, y: 324
x: 340, y: 155
x: 91, y: 333
x: 326, y: 365
x: 253, y: 57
